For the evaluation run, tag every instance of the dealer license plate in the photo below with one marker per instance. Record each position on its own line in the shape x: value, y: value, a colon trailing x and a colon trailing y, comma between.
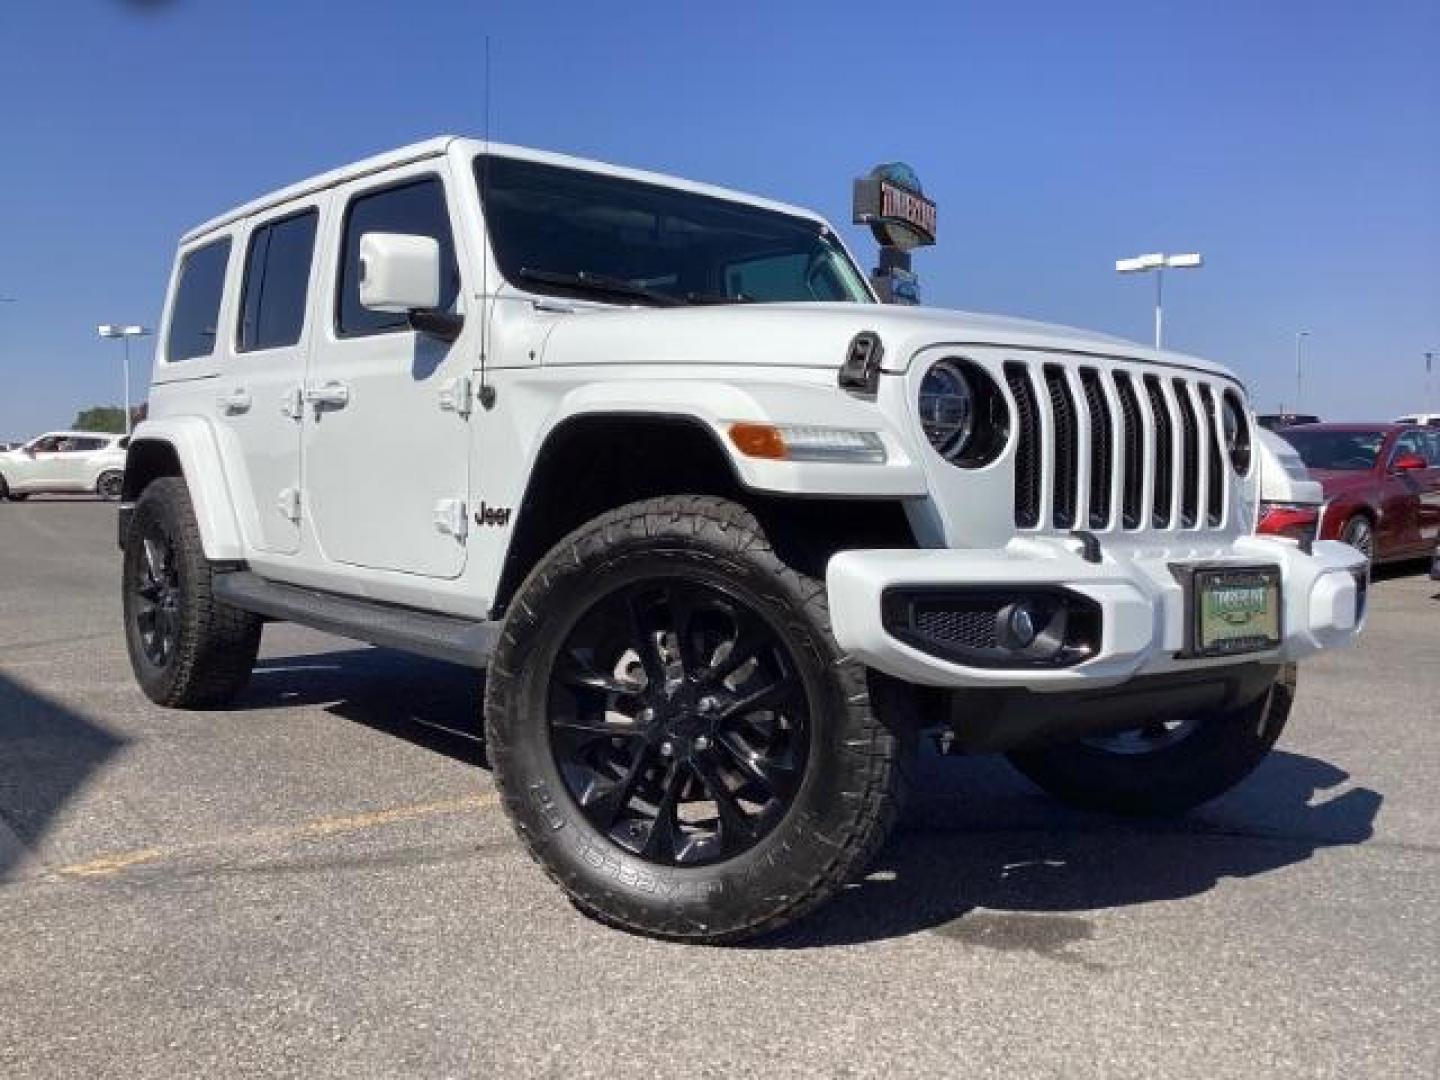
x: 1236, y: 611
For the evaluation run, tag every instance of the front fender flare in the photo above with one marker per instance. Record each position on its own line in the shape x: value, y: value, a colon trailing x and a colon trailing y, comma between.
x: 716, y: 405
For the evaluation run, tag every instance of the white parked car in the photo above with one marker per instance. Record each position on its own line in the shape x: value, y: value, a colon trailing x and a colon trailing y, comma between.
x: 725, y: 533
x: 1422, y: 419
x: 65, y: 461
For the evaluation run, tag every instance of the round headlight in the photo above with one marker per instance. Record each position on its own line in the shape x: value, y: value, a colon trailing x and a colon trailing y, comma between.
x: 1236, y: 428
x: 947, y: 408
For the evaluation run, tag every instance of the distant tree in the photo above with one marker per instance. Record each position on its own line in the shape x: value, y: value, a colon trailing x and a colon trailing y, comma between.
x: 101, y: 418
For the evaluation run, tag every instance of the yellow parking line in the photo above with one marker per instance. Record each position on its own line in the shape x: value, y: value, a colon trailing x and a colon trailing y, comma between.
x: 107, y: 865
x: 111, y: 864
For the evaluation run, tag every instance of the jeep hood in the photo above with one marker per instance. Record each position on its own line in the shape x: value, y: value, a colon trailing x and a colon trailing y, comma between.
x: 812, y: 336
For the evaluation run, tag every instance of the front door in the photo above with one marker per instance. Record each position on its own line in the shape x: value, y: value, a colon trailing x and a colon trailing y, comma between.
x: 38, y: 467
x: 386, y: 450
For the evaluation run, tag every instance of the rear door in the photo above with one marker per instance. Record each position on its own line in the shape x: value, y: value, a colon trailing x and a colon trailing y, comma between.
x: 73, y: 462
x: 1404, y: 495
x: 260, y: 374
x: 1428, y: 515
x: 386, y: 451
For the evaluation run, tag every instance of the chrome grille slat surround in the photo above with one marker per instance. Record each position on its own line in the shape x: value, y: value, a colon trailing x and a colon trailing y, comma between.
x: 1118, y: 449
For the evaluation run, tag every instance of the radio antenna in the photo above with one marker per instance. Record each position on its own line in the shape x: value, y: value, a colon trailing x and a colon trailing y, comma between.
x: 486, y: 392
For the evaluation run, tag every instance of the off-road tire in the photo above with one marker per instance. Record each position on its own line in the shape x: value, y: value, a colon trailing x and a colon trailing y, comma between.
x: 845, y: 806
x: 216, y: 645
x: 4, y: 489
x: 1222, y: 749
x: 110, y: 486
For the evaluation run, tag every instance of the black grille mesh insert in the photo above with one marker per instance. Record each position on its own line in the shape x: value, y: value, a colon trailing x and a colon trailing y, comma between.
x: 1067, y: 446
x: 1102, y: 448
x: 1134, y: 487
x: 1164, y: 453
x: 1027, y: 446
x: 972, y: 628
x: 1190, y: 462
x: 1215, y: 496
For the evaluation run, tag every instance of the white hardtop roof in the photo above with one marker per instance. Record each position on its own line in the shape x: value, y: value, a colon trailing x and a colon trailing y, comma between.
x: 441, y: 145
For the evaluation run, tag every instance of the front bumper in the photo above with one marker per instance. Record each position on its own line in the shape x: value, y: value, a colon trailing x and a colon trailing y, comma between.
x: 1137, y: 593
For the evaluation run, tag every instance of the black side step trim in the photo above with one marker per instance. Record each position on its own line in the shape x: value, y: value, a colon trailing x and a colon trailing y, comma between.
x: 440, y: 637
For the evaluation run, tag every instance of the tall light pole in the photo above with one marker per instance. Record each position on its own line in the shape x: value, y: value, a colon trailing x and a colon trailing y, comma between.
x: 1300, y: 336
x: 124, y: 333
x: 1159, y: 263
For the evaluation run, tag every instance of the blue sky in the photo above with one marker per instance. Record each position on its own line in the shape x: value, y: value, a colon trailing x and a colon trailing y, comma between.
x: 1297, y: 144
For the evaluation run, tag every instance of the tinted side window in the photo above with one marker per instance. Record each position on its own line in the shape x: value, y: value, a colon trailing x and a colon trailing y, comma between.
x: 196, y: 310
x: 277, y: 279
x: 417, y: 208
x: 1407, y: 443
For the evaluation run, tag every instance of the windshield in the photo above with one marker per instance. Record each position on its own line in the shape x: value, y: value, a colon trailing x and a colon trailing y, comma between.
x: 568, y: 232
x: 1344, y: 451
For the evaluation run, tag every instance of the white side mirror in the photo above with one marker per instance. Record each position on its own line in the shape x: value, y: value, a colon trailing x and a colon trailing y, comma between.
x: 399, y: 272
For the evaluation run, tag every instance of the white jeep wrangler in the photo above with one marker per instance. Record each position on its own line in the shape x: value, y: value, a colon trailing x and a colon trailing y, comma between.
x: 724, y: 533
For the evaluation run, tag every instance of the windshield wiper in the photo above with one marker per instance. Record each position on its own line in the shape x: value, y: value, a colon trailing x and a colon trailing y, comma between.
x: 585, y: 281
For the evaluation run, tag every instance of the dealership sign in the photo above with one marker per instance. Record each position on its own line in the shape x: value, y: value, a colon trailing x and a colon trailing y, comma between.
x: 890, y: 200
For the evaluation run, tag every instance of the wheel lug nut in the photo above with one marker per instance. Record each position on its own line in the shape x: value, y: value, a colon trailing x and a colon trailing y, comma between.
x: 667, y: 748
x: 702, y: 742
x: 646, y: 716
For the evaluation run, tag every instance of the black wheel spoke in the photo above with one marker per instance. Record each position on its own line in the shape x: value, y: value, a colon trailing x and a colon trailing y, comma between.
x: 766, y: 697
x: 775, y: 776
x: 578, y: 674
x: 736, y: 830
x: 664, y: 838
x: 753, y: 636
x: 672, y: 755
x: 154, y: 563
x: 678, y: 600
x: 643, y: 642
x: 605, y: 807
x: 596, y: 726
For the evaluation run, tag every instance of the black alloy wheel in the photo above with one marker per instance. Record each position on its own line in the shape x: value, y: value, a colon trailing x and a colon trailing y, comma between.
x: 679, y: 721
x: 110, y: 486
x: 156, y: 597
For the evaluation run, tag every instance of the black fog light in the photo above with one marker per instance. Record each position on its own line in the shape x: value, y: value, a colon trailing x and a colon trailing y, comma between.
x: 995, y: 627
x: 1017, y: 626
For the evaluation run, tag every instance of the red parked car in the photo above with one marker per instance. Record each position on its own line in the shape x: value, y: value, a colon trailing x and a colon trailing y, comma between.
x: 1382, y: 487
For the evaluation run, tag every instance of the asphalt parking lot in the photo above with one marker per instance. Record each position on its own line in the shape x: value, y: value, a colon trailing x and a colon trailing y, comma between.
x: 318, y: 881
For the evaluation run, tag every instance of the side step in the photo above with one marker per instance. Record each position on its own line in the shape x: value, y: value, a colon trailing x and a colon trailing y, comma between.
x: 440, y: 637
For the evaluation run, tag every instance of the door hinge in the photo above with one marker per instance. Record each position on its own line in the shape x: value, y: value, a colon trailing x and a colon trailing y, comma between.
x: 289, y: 504
x: 457, y: 395
x: 452, y: 518
x: 293, y: 403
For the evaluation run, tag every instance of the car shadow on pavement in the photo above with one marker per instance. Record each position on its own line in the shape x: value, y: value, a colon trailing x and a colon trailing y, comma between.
x: 988, y: 859
x: 48, y: 752
x: 428, y: 702
x: 982, y: 854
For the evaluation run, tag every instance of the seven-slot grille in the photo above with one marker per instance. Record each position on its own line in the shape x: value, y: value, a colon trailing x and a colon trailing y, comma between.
x: 1117, y: 448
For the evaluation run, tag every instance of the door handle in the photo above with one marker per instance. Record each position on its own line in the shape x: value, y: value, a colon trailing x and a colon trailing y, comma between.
x: 237, y: 401
x: 336, y: 395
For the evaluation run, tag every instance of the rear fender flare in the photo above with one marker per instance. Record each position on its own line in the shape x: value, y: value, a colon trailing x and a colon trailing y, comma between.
x: 192, y: 442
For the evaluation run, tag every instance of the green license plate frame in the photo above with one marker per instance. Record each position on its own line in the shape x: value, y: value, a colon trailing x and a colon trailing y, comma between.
x: 1236, y: 610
